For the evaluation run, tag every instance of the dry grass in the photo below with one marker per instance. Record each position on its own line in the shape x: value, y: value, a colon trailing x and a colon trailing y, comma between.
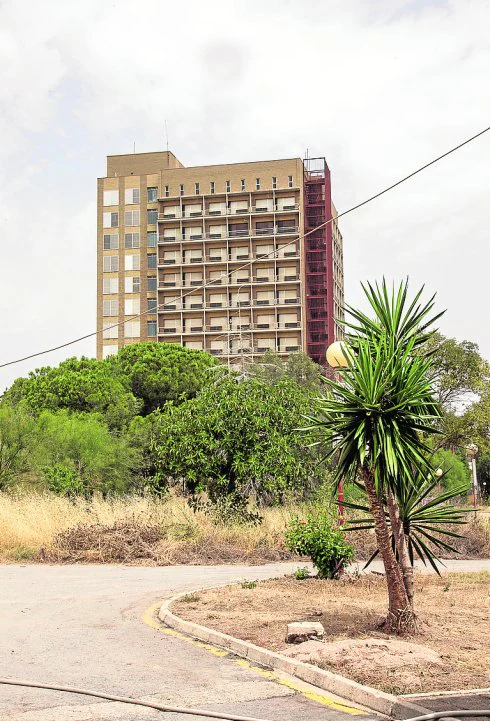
x: 155, y: 531
x: 453, y: 610
x: 137, y: 530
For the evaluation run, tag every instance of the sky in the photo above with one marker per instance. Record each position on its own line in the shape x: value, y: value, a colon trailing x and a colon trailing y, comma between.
x: 378, y: 87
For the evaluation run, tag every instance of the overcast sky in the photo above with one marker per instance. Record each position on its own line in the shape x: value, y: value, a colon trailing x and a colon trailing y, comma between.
x: 379, y: 87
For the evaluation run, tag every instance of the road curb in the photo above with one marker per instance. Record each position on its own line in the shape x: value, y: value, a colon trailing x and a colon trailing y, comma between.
x: 384, y: 703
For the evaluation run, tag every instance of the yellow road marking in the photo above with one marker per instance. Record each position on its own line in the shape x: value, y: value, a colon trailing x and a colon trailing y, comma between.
x: 300, y: 688
x: 149, y: 617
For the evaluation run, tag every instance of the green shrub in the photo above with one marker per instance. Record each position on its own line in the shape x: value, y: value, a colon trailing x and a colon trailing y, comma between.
x: 301, y: 573
x: 316, y: 537
x: 63, y: 480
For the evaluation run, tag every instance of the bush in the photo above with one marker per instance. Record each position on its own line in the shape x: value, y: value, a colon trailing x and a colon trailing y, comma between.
x: 63, y: 480
x: 317, y: 538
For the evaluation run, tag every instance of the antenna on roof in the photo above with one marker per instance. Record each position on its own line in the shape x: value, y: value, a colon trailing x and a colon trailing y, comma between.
x: 166, y: 133
x: 134, y: 147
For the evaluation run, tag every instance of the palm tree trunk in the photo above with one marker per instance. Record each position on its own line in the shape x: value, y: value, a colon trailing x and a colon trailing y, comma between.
x: 400, y: 544
x: 400, y: 617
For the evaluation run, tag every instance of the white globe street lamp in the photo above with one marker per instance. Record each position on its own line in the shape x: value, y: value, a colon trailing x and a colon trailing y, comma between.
x: 336, y: 355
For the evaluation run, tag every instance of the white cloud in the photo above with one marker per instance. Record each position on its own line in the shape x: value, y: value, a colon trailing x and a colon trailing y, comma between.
x: 379, y: 88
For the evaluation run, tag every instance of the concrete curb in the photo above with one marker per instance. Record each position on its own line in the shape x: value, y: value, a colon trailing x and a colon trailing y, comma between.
x: 384, y: 703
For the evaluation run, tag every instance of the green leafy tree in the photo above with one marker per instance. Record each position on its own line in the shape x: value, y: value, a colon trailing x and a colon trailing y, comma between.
x: 238, y: 437
x: 456, y: 472
x: 17, y: 432
x: 79, y: 452
x: 298, y: 367
x: 160, y: 372
x: 80, y: 385
x: 376, y: 420
x: 458, y: 371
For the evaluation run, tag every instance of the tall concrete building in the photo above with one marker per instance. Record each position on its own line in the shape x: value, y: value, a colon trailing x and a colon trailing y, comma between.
x: 223, y: 258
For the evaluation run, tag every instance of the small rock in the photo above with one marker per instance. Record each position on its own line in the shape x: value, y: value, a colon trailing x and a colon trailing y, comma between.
x: 302, y: 631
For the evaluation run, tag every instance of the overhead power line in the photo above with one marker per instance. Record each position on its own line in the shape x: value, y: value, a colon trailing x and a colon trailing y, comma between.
x: 246, y: 265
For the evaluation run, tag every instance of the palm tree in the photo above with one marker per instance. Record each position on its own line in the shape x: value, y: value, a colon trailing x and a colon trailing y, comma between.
x: 375, y: 418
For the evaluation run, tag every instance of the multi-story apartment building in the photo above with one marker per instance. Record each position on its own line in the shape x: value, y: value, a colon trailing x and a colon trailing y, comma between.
x: 224, y: 258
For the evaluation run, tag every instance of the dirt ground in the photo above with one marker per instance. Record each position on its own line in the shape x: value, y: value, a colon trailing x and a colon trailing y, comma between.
x: 450, y: 652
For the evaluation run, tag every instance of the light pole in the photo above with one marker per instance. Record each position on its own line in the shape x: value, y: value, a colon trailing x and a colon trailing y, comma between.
x: 336, y: 358
x: 471, y: 453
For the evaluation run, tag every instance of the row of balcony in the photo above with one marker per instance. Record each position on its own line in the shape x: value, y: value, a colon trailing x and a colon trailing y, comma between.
x: 173, y: 213
x: 220, y: 258
x: 231, y: 234
x: 181, y: 283
x: 242, y: 350
x: 199, y: 305
x: 220, y: 327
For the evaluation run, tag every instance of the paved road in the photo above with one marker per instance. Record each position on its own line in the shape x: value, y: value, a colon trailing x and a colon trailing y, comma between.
x: 82, y: 626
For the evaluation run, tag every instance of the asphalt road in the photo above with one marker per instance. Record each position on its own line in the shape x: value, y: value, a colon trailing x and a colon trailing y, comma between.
x: 83, y: 626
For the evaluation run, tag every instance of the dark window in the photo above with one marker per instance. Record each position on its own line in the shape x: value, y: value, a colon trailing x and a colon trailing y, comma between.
x: 152, y: 260
x: 152, y: 328
x: 151, y: 217
x: 152, y: 195
x: 152, y: 282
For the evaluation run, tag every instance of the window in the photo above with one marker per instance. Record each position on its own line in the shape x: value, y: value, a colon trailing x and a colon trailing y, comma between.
x: 211, y: 187
x: 110, y: 330
x: 110, y: 285
x: 242, y: 185
x: 290, y: 181
x: 152, y: 260
x: 110, y: 264
x: 111, y: 242
x: 132, y: 284
x: 110, y: 220
x: 181, y: 190
x: 257, y: 183
x: 228, y: 186
x: 132, y: 217
x: 131, y: 306
x: 109, y: 307
x: 152, y: 328
x: 152, y: 194
x: 151, y: 238
x: 108, y: 350
x: 111, y: 197
x: 197, y: 188
x: 131, y: 261
x: 151, y: 216
x: 152, y: 282
x: 152, y: 305
x: 132, y: 329
x: 274, y: 182
x: 131, y: 240
x: 132, y: 196
x: 167, y: 192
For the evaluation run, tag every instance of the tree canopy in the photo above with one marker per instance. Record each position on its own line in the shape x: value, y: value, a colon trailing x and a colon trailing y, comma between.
x: 160, y: 372
x: 239, y: 436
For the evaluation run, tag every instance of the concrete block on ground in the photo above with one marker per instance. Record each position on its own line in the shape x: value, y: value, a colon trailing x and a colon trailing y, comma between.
x: 301, y: 631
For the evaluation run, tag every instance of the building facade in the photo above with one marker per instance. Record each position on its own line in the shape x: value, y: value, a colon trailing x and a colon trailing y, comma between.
x: 223, y: 258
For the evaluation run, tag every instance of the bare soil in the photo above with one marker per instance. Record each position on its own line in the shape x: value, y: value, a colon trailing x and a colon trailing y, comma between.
x: 450, y: 652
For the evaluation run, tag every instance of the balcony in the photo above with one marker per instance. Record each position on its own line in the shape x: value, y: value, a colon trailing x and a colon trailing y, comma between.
x: 216, y: 351
x: 179, y: 215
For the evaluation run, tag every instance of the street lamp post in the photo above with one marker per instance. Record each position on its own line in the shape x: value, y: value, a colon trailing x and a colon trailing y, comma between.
x: 336, y: 358
x: 472, y: 452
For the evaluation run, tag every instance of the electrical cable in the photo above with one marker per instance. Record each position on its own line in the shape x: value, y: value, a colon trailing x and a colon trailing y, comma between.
x: 126, y: 699
x: 246, y: 265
